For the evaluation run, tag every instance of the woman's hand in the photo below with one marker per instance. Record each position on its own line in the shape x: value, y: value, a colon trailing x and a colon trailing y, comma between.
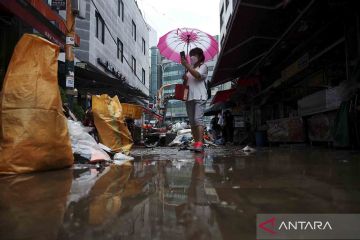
x: 184, y: 77
x: 185, y: 63
x: 192, y: 71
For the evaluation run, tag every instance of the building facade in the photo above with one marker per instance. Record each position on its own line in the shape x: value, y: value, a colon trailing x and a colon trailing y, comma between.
x: 172, y: 74
x: 155, y: 73
x: 35, y: 17
x: 295, y: 79
x: 226, y: 11
x: 114, y: 36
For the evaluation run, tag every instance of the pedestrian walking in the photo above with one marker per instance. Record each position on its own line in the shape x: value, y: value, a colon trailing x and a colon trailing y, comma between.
x: 195, y: 77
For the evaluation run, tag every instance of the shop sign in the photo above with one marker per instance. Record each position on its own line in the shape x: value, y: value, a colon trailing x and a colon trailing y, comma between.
x: 109, y: 67
x: 239, y: 122
x: 58, y: 4
x: 70, y: 81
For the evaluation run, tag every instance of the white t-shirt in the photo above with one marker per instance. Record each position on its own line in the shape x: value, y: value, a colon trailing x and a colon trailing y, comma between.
x: 197, y: 88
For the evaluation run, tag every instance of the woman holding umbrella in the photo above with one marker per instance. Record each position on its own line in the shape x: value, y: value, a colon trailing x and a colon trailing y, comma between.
x: 171, y: 45
x: 196, y: 77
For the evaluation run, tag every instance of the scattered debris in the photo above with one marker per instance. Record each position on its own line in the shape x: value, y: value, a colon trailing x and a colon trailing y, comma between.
x: 224, y: 203
x: 84, y: 145
x: 248, y: 149
x: 121, y: 156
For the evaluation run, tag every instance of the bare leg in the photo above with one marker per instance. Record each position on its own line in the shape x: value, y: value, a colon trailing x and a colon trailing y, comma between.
x: 199, y: 136
x: 193, y: 132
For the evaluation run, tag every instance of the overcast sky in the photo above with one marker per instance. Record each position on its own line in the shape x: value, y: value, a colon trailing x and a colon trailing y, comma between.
x: 166, y: 15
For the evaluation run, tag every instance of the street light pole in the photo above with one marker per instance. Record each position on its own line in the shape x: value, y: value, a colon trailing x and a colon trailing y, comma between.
x: 69, y: 53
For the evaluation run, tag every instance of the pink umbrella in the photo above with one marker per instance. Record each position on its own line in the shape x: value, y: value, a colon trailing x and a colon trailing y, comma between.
x: 184, y: 39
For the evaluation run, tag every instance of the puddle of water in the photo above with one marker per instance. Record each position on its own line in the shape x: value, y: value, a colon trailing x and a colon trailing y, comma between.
x: 171, y: 194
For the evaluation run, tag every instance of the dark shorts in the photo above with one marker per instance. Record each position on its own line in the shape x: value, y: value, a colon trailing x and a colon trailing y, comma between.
x: 195, y: 110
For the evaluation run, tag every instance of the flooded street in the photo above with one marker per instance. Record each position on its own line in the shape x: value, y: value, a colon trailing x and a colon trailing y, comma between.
x: 179, y: 194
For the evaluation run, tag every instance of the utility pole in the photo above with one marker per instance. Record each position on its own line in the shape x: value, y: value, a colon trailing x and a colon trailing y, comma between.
x: 69, y: 53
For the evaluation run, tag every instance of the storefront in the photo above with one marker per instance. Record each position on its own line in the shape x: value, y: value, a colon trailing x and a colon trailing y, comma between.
x: 307, y: 66
x: 36, y: 16
x: 28, y: 16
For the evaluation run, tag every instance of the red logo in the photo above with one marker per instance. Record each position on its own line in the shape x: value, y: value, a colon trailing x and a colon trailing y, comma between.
x: 263, y: 226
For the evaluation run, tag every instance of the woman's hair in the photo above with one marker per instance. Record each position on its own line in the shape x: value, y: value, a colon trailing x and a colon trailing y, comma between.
x: 199, y: 52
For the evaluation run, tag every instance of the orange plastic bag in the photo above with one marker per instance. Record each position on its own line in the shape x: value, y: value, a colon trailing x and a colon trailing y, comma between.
x: 34, y: 134
x: 110, y: 123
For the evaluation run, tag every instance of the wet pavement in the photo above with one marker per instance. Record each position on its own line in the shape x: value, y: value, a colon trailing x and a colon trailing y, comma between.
x: 171, y: 194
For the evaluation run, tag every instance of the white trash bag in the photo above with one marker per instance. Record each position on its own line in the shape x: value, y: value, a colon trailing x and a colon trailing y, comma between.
x: 84, y: 144
x: 121, y: 156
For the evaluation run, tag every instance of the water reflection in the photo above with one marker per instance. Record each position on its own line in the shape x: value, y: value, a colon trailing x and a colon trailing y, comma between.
x: 93, y: 212
x: 196, y: 214
x: 185, y: 196
x: 32, y: 206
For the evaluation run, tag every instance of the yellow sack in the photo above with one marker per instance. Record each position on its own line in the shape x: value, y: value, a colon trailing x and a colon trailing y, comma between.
x: 34, y: 134
x: 109, y: 122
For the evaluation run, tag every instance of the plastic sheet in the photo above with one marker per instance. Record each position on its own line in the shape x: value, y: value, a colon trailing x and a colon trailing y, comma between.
x: 110, y: 124
x: 34, y: 133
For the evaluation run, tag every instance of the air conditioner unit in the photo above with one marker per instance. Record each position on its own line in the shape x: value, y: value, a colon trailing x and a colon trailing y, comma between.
x: 79, y: 8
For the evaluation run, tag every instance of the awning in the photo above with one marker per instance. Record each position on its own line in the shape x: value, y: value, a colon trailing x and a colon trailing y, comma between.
x: 39, y: 15
x: 90, y: 79
x: 217, y: 108
x: 254, y: 29
x: 223, y: 96
x: 249, y: 81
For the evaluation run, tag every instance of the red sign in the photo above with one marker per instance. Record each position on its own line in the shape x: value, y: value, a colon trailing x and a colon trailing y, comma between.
x: 25, y: 12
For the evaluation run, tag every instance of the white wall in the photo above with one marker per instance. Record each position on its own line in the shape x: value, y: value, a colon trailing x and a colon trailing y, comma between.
x: 116, y: 28
x: 153, y: 38
x: 226, y: 18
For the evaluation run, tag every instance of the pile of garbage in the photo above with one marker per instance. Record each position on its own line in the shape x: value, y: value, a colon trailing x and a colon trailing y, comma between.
x: 87, y: 150
x: 37, y: 135
x: 184, y: 137
x: 179, y: 126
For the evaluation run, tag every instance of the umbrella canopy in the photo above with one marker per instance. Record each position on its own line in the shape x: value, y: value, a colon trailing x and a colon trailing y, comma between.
x: 184, y: 39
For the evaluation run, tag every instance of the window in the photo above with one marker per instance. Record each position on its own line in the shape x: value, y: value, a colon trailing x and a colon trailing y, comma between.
x: 226, y: 4
x: 143, y: 76
x: 133, y: 65
x: 133, y: 30
x: 143, y: 46
x: 100, y: 27
x: 221, y: 16
x: 121, y: 9
x: 120, y: 50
